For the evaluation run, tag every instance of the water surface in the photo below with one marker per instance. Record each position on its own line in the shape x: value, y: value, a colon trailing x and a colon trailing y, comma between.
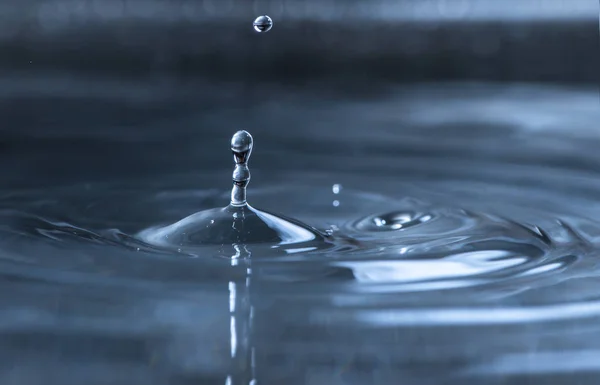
x: 463, y: 217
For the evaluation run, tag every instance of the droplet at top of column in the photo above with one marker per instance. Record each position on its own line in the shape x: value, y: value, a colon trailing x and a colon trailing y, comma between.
x: 241, y: 147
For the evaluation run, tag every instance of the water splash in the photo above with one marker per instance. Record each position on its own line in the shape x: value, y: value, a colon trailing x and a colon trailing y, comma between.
x: 239, y: 223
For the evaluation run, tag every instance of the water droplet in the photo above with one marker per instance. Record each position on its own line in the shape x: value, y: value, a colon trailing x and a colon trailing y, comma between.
x: 336, y: 188
x: 336, y: 203
x: 263, y: 24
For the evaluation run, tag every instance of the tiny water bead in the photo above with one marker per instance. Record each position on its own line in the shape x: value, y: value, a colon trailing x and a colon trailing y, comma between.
x: 336, y: 188
x: 263, y: 24
x: 237, y: 224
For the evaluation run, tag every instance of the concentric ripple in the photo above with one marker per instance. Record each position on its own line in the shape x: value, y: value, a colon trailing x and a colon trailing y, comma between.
x: 415, y: 246
x: 391, y: 221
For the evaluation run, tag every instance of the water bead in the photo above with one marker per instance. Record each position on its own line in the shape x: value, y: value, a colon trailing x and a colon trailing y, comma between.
x: 263, y: 24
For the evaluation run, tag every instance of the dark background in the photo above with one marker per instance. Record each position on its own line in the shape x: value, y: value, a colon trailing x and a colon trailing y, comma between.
x: 110, y: 89
x: 344, y: 41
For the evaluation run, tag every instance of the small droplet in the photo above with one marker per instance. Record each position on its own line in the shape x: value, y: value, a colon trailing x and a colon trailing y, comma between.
x: 336, y: 188
x: 212, y: 221
x: 263, y: 24
x: 336, y: 203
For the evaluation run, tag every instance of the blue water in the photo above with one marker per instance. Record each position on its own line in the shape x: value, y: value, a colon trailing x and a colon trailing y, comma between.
x: 461, y: 219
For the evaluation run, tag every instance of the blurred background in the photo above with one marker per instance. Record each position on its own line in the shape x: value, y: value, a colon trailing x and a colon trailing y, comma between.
x: 132, y: 72
x: 361, y: 41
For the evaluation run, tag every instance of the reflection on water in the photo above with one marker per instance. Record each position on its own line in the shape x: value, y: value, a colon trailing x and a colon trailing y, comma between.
x: 243, y: 355
x: 463, y: 244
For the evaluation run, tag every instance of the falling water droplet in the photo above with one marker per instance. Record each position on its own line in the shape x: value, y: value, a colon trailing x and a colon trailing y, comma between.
x: 263, y: 24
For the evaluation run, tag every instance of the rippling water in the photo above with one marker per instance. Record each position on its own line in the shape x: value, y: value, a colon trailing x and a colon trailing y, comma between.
x: 461, y: 220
